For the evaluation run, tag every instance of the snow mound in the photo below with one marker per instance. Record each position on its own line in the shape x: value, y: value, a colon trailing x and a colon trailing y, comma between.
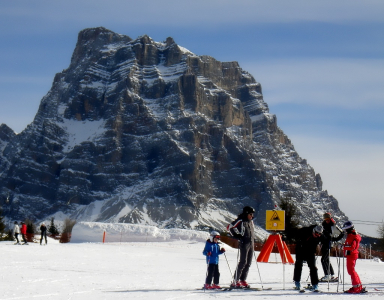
x: 376, y: 259
x: 121, y: 232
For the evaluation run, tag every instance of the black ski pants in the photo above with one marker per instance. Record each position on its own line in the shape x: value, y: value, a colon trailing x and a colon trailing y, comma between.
x: 213, y: 271
x: 24, y: 239
x: 310, y: 259
x: 325, y: 262
x: 246, y: 256
x: 43, y: 234
x: 17, y: 238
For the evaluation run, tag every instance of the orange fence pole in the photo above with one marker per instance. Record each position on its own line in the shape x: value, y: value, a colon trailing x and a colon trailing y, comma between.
x: 104, y: 237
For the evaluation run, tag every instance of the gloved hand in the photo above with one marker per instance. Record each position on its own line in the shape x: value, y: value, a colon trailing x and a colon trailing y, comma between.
x: 347, y: 252
x: 222, y: 250
x: 209, y: 253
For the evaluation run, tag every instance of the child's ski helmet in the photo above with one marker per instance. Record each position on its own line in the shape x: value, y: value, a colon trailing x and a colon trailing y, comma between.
x: 214, y: 234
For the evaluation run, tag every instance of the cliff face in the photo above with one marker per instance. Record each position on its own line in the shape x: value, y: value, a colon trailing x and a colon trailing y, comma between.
x: 139, y: 131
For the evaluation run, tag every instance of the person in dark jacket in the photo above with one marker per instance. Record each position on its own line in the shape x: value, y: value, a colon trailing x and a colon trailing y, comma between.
x: 307, y: 239
x: 242, y: 229
x: 329, y: 226
x: 43, y: 233
x: 212, y: 250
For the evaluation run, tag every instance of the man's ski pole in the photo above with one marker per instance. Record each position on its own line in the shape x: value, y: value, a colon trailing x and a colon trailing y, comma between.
x: 257, y: 265
x: 329, y: 262
x: 343, y: 269
x: 338, y: 268
x: 228, y: 265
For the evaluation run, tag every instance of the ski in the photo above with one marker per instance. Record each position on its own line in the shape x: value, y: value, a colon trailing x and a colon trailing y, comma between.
x: 336, y: 279
x: 244, y: 289
x: 213, y: 290
x: 363, y: 291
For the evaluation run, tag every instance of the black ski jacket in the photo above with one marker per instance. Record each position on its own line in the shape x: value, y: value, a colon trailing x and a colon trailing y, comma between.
x: 242, y: 229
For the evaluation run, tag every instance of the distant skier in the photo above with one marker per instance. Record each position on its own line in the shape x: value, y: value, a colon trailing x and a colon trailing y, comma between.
x: 23, y: 231
x: 43, y: 233
x: 242, y: 229
x: 329, y: 226
x: 16, y: 231
x: 351, y: 251
x: 212, y: 250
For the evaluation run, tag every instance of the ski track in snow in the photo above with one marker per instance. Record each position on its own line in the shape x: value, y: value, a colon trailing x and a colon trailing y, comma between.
x: 150, y: 270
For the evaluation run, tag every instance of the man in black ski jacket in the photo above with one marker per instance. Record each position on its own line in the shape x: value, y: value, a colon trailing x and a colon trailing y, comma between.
x: 329, y: 226
x: 242, y: 229
x: 307, y: 239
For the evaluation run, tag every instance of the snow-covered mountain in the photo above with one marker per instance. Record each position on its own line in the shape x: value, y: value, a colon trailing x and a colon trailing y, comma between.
x: 138, y: 131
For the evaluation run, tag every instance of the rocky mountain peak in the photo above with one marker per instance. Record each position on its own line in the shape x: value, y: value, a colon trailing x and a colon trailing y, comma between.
x: 147, y: 132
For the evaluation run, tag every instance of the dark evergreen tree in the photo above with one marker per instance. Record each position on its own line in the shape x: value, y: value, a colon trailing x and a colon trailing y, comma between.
x: 31, y: 227
x: 52, y: 229
x: 291, y: 219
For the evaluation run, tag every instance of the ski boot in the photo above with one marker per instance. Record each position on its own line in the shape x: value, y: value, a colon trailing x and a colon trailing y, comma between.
x: 326, y: 278
x: 244, y: 284
x: 236, y: 285
x: 207, y: 287
x: 215, y: 286
x: 356, y: 290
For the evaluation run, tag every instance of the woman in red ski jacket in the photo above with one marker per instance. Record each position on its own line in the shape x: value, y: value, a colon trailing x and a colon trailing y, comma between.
x: 23, y: 232
x: 351, y: 252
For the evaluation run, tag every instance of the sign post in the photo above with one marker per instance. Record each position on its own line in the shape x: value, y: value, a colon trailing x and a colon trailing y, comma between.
x: 275, y: 220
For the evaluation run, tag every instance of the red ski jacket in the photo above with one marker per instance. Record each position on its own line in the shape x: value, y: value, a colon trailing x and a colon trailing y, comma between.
x: 23, y: 229
x: 352, y: 244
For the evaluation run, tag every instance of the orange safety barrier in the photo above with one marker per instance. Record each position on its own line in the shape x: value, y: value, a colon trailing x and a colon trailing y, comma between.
x: 265, y: 252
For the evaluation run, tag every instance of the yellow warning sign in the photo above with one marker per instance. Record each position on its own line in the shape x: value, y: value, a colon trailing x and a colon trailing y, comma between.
x: 275, y: 220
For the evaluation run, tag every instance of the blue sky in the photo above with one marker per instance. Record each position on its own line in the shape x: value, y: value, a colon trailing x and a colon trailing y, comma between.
x: 321, y: 66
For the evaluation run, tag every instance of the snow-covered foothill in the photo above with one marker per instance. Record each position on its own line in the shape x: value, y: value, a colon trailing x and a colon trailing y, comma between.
x: 122, y: 232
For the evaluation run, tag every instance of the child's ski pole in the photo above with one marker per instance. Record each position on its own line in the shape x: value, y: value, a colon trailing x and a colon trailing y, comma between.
x: 206, y: 275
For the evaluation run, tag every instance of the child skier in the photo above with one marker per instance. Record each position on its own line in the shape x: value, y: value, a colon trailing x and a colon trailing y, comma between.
x: 212, y: 251
x: 351, y: 252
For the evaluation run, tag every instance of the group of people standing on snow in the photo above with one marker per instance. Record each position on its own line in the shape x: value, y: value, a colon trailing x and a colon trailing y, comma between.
x: 307, y: 240
x: 23, y: 230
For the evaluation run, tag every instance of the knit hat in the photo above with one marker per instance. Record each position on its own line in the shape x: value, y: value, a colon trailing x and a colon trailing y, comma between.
x: 348, y: 225
x: 327, y: 215
x: 318, y: 229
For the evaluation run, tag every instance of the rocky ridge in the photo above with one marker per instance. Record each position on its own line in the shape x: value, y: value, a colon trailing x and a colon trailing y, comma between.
x: 138, y: 131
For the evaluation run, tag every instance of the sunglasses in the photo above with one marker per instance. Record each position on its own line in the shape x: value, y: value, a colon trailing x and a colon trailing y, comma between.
x: 217, y: 237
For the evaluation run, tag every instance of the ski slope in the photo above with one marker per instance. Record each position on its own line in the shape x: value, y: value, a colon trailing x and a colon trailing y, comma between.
x: 173, y: 269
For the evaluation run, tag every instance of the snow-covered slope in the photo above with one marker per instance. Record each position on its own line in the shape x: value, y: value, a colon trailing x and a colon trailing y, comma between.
x: 152, y: 270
